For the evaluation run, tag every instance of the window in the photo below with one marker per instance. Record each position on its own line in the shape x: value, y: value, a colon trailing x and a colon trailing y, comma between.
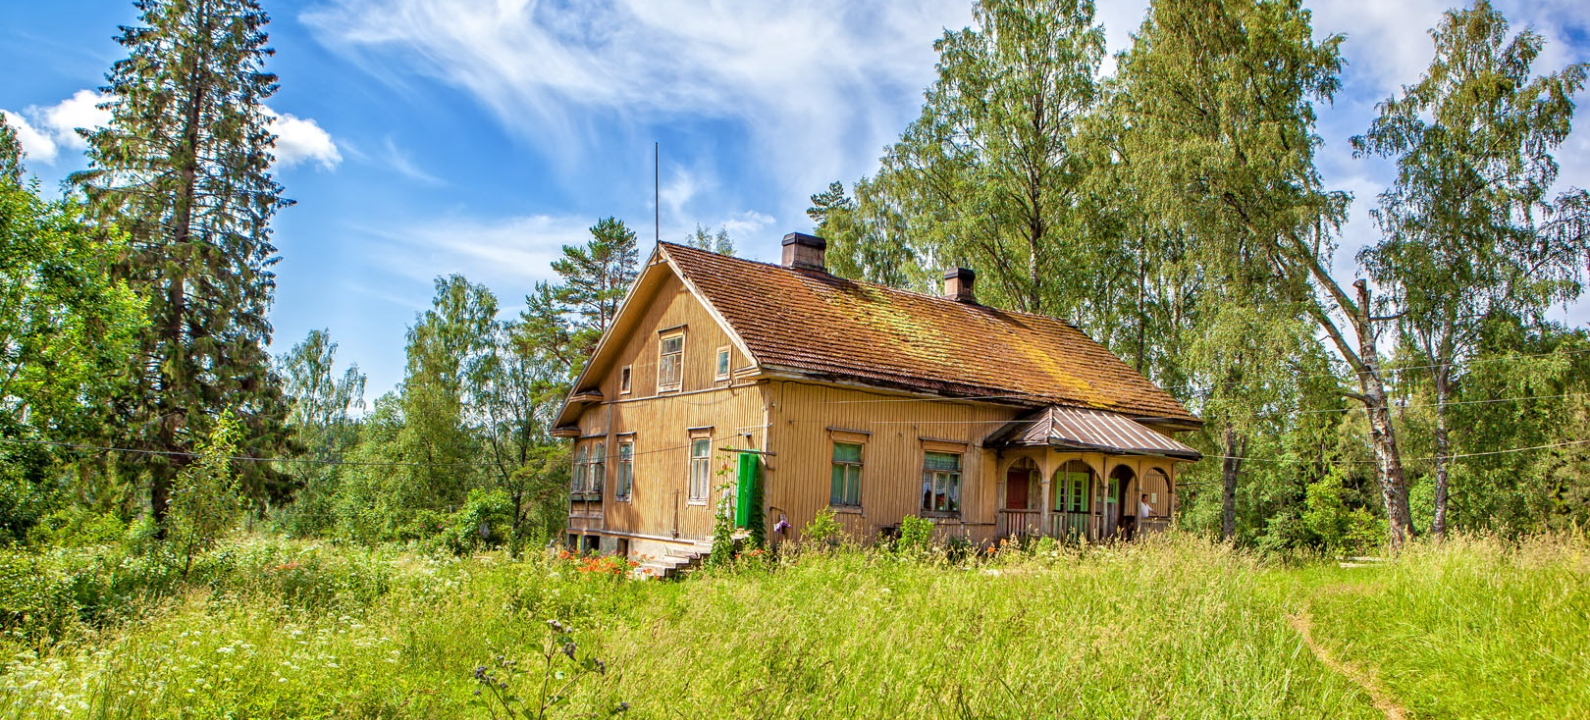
x: 626, y: 469
x: 846, y: 487
x: 596, y: 479
x: 941, y: 482
x: 624, y: 385
x: 722, y: 365
x: 1072, y: 487
x: 700, y: 468
x: 577, y: 477
x: 670, y: 362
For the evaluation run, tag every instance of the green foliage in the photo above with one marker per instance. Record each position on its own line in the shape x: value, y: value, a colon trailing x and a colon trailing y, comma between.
x: 1339, y: 528
x: 184, y: 168
x: 916, y: 535
x: 206, y: 502
x: 823, y: 531
x: 704, y: 239
x: 299, y: 630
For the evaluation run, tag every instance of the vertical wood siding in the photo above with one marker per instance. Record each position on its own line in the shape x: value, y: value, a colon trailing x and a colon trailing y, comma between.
x: 733, y: 410
x: 803, y: 416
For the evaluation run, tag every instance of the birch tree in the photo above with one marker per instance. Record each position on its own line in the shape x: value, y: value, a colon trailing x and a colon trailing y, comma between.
x: 1470, y: 230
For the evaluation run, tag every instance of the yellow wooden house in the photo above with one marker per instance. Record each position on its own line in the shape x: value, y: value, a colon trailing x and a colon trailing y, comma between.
x: 874, y: 402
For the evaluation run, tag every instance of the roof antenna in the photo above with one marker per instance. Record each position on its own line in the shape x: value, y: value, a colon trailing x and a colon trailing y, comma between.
x: 656, y: 186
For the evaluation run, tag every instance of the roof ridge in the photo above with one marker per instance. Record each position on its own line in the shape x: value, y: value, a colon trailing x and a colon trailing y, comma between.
x: 880, y: 286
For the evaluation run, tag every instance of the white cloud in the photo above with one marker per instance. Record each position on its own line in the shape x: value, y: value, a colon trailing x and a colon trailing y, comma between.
x: 821, y: 86
x: 679, y: 190
x: 746, y: 224
x: 81, y: 110
x: 300, y: 140
x: 399, y: 160
x: 508, y: 254
x: 44, y: 131
x: 39, y: 145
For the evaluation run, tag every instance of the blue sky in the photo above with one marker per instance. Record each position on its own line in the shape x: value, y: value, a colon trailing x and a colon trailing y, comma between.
x: 424, y: 137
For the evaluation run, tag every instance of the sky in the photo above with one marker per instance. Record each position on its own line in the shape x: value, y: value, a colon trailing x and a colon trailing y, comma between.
x: 427, y: 137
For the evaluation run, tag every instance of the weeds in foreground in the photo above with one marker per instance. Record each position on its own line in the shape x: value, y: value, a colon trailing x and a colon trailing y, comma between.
x: 1174, y: 627
x: 561, y: 668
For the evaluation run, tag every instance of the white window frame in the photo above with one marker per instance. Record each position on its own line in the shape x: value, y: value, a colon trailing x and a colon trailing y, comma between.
x: 723, y: 364
x: 699, y: 477
x: 678, y: 383
x: 939, y: 482
x: 625, y: 489
x: 626, y: 380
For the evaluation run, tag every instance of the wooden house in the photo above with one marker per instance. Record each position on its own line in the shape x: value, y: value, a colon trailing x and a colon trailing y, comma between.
x: 875, y: 402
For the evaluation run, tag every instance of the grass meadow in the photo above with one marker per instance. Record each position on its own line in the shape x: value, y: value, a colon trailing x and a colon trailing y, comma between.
x: 1172, y: 628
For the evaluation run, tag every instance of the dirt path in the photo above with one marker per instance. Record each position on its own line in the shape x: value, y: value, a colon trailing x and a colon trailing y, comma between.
x: 1303, y: 623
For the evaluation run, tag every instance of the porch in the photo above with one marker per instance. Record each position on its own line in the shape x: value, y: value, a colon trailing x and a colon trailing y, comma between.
x: 1084, y: 475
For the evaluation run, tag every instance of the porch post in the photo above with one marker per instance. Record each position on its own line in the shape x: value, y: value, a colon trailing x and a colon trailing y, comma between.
x: 1045, y: 466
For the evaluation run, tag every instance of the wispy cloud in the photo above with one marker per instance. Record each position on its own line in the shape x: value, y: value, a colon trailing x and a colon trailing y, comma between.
x: 821, y: 86
x: 399, y: 160
x: 508, y: 254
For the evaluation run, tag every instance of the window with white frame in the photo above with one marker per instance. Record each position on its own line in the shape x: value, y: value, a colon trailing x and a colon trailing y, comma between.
x: 624, y: 381
x: 626, y: 468
x: 941, y: 482
x: 721, y: 366
x: 671, y: 361
x: 845, y: 486
x: 596, y: 480
x: 700, y: 469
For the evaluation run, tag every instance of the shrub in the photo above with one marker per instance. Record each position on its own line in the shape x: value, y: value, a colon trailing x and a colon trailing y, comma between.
x: 916, y: 535
x: 824, y: 530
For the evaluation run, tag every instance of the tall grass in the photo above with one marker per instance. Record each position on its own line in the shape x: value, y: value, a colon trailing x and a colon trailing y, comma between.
x: 1177, y: 628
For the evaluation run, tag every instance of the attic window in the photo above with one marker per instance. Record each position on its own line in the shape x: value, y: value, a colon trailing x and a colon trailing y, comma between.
x: 624, y: 386
x: 722, y: 364
x: 670, y: 361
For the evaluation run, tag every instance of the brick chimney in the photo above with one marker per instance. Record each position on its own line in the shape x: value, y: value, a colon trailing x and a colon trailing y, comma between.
x: 805, y: 252
x: 958, y: 285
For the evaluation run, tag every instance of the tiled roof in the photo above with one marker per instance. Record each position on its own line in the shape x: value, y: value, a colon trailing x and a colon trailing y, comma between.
x: 819, y: 324
x: 1090, y: 430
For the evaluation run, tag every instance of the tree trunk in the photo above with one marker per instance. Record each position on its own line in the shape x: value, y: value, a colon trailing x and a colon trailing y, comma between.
x: 1443, y: 450
x: 1234, y: 446
x: 1382, y: 434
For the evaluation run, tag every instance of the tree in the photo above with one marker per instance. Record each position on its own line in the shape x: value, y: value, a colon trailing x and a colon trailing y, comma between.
x: 322, y: 417
x: 1221, y: 101
x: 184, y: 168
x: 595, y: 278
x: 450, y: 351
x: 704, y: 239
x: 1470, y: 235
x: 65, y: 323
x: 65, y: 328
x: 992, y: 173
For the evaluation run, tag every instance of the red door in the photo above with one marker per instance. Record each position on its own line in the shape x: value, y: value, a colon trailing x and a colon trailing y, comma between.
x: 1017, y: 482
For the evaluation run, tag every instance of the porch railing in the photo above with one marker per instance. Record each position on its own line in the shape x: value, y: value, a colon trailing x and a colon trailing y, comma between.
x: 1153, y: 525
x: 1072, y: 525
x: 1018, y: 523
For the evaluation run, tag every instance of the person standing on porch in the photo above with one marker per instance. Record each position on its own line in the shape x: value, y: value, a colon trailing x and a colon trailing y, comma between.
x: 1143, y: 509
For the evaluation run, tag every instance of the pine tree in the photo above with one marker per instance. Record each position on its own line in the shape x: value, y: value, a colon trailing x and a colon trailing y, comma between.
x: 595, y: 278
x: 184, y: 168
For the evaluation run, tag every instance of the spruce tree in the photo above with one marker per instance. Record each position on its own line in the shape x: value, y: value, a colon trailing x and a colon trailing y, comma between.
x: 184, y: 168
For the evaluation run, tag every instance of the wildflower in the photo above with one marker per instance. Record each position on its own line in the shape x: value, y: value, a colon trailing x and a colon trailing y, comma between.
x: 568, y: 649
